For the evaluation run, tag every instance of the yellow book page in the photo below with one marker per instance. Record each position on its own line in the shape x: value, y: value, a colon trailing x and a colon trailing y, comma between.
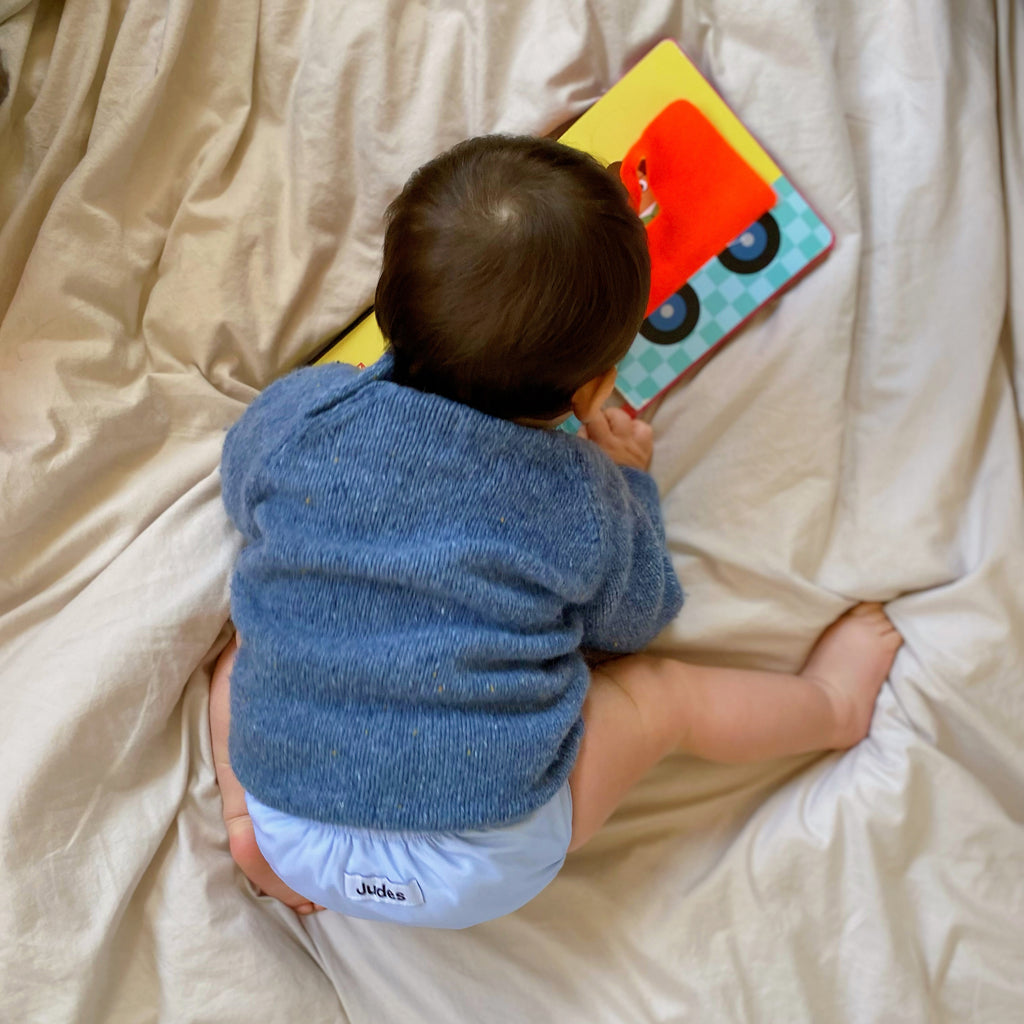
x: 616, y: 121
x: 361, y: 346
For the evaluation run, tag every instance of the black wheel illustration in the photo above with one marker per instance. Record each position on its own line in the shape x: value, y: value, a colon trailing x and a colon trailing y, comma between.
x: 754, y: 249
x: 674, y: 319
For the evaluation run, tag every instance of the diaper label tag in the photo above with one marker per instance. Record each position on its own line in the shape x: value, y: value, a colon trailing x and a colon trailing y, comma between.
x: 383, y: 890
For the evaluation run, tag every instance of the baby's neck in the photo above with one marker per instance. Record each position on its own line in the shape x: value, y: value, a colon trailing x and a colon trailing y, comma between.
x: 526, y: 421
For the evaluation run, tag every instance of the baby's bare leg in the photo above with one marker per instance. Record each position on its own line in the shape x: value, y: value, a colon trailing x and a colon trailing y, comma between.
x: 640, y: 708
x: 241, y: 835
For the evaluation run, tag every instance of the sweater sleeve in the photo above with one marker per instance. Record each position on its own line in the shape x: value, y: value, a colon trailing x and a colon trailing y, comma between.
x: 638, y: 593
x: 275, y: 416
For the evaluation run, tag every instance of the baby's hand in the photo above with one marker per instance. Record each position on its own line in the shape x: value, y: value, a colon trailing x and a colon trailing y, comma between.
x: 627, y: 441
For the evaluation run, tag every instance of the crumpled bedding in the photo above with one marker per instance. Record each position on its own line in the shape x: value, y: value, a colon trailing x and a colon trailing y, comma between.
x: 190, y: 201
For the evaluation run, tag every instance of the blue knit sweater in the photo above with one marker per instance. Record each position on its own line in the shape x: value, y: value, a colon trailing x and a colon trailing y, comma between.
x: 417, y: 581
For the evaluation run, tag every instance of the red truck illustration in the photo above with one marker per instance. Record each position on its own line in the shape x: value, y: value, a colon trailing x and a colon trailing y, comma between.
x: 699, y: 199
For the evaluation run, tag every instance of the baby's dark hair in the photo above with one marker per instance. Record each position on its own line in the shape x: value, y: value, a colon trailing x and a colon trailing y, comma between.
x: 514, y: 271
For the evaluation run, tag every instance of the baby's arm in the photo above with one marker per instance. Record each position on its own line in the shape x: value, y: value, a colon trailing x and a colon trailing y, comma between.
x: 637, y: 593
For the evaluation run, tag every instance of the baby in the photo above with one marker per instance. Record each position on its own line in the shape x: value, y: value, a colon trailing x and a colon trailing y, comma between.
x: 415, y: 733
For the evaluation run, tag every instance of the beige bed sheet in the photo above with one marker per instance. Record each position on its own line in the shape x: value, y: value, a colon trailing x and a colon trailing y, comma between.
x: 190, y: 199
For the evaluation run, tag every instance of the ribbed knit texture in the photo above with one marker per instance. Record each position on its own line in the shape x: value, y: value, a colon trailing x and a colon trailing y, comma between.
x: 417, y: 582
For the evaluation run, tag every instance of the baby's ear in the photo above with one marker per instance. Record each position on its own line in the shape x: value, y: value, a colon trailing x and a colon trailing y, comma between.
x: 590, y: 397
x: 615, y: 170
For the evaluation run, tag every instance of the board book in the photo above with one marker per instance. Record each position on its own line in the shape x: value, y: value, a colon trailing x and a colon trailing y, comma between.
x: 726, y: 228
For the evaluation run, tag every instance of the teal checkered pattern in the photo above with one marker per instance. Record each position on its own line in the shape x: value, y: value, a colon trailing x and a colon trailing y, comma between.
x: 726, y: 300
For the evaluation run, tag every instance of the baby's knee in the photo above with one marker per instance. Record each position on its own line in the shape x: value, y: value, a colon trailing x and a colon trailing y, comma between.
x: 642, y: 682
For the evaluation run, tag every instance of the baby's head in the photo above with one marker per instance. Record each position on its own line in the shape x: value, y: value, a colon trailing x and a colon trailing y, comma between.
x: 514, y: 273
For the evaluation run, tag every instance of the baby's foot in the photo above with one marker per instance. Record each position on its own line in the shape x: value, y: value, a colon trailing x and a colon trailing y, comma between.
x: 241, y: 834
x: 850, y: 662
